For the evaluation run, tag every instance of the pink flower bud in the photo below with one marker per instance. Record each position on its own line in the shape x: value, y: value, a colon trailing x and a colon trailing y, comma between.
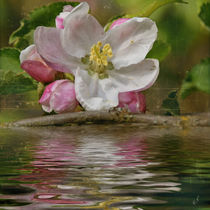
x: 35, y: 66
x: 60, y: 18
x: 118, y: 22
x: 59, y: 97
x: 133, y: 101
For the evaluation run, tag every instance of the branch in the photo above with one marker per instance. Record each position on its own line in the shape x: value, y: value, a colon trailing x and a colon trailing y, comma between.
x: 202, y: 120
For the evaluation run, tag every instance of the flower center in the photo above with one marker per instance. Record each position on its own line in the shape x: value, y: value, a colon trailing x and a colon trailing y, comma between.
x: 99, y: 55
x: 98, y: 60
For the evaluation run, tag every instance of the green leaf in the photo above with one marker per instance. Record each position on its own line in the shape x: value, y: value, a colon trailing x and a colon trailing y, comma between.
x: 160, y: 50
x: 13, y: 83
x: 12, y: 78
x: 201, y: 2
x: 44, y: 16
x: 145, y: 8
x: 9, y: 59
x: 205, y: 14
x: 197, y: 79
x: 171, y: 104
x: 176, y: 31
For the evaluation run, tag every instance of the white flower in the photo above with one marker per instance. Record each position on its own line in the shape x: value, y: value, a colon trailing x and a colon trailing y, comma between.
x: 104, y: 64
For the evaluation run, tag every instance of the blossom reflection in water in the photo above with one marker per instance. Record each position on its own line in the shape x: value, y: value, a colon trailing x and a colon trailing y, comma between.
x: 52, y: 157
x: 90, y: 170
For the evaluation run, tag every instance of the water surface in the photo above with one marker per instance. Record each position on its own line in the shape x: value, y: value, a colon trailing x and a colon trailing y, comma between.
x: 104, y: 167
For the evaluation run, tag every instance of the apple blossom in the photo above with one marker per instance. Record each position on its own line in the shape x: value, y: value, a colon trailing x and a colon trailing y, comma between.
x: 103, y: 63
x: 32, y: 62
x: 133, y: 101
x: 60, y: 18
x: 118, y: 22
x: 59, y: 97
x: 35, y: 66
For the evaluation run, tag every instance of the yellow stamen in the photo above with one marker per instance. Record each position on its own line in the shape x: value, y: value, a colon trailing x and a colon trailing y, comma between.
x: 99, y: 44
x: 98, y: 59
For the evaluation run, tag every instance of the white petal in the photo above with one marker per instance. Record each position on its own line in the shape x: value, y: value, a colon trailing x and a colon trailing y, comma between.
x: 48, y: 44
x: 47, y: 108
x: 136, y: 77
x: 27, y: 52
x: 131, y: 41
x: 93, y: 93
x: 63, y: 15
x: 82, y: 8
x: 68, y: 8
x: 80, y: 32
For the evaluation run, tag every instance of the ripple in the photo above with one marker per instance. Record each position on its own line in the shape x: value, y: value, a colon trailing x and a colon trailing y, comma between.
x: 88, y: 168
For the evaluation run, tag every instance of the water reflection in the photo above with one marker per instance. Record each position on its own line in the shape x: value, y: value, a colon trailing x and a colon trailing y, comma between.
x: 133, y: 152
x: 100, y: 167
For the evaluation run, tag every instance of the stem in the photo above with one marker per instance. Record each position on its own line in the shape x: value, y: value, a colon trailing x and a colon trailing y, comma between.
x: 153, y: 7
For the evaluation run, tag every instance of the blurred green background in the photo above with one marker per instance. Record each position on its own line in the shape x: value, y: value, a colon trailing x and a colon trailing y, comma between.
x: 178, y: 24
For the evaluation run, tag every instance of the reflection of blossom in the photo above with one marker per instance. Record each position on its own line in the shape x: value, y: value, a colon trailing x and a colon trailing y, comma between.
x: 92, y: 169
x: 108, y: 154
x: 133, y: 152
x: 49, y: 172
x: 104, y: 64
x: 99, y: 153
x: 54, y: 152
